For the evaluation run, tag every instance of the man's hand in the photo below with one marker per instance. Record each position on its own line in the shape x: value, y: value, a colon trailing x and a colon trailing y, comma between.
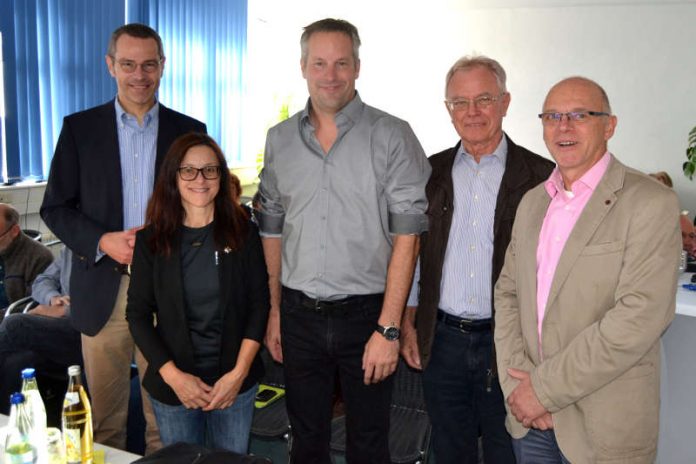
x: 119, y: 245
x: 49, y: 311
x: 60, y: 300
x: 409, y: 339
x: 380, y: 358
x: 544, y: 422
x: 272, y: 339
x: 191, y: 390
x: 524, y: 404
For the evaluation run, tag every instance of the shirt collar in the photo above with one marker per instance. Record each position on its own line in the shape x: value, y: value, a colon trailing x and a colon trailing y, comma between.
x: 589, y: 180
x: 122, y: 116
x: 499, y: 154
x: 351, y: 111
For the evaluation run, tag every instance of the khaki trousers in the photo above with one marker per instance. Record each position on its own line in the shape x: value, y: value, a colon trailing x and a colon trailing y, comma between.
x: 107, y: 357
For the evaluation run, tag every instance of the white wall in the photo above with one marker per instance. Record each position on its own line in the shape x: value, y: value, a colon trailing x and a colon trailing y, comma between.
x: 642, y: 52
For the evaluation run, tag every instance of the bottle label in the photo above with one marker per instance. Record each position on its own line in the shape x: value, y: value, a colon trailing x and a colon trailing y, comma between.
x: 73, y: 445
x: 71, y: 398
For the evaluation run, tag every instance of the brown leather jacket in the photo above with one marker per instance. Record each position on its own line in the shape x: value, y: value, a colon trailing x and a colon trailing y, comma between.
x: 523, y: 170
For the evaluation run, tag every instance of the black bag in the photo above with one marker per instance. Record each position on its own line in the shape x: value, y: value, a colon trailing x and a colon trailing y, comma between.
x: 186, y: 453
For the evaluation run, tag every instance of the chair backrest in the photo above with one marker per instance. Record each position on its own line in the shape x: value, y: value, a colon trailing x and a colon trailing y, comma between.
x: 408, y: 387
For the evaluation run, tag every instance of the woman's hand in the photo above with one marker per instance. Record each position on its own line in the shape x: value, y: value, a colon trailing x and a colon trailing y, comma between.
x: 225, y: 390
x: 191, y: 390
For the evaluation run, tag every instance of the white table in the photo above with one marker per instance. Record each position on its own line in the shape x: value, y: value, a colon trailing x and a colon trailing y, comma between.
x: 678, y: 387
x: 111, y: 455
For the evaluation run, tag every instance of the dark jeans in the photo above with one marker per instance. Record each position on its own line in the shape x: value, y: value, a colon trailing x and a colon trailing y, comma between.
x: 28, y: 340
x: 459, y: 402
x: 538, y: 447
x: 316, y: 347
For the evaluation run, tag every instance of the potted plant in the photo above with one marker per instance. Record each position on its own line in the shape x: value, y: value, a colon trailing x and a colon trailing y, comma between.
x: 690, y: 164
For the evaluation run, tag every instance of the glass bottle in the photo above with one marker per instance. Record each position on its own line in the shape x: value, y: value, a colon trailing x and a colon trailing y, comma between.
x: 36, y: 411
x: 19, y: 448
x: 77, y: 421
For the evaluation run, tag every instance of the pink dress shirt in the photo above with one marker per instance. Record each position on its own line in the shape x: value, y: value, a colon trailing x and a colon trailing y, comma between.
x: 563, y: 213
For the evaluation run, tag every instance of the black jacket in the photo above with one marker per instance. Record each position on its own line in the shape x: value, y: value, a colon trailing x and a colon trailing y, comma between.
x: 523, y: 171
x: 156, y: 290
x: 84, y: 200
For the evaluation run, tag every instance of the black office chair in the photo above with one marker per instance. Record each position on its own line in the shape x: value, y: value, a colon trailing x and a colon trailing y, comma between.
x: 270, y: 424
x: 409, y: 431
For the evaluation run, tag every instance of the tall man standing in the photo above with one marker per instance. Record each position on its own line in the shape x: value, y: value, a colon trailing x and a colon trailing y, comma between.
x: 341, y: 203
x: 587, y: 288
x: 473, y: 194
x: 101, y: 178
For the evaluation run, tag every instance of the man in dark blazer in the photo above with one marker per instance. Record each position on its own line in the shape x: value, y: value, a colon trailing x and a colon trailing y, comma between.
x: 473, y: 193
x: 101, y: 178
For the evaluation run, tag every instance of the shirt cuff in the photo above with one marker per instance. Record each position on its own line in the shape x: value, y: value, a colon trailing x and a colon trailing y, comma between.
x: 407, y: 224
x: 269, y: 225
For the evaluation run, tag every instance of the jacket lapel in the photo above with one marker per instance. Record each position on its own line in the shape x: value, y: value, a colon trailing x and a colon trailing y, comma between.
x: 600, y: 203
x: 516, y: 174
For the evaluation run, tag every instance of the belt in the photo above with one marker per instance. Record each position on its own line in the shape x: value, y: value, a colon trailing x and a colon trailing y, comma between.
x: 465, y: 325
x: 329, y: 306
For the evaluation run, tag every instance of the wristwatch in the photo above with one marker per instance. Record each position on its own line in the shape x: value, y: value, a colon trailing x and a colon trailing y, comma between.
x: 390, y: 332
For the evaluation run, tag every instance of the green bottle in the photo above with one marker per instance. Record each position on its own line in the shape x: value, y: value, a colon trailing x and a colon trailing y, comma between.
x: 19, y: 448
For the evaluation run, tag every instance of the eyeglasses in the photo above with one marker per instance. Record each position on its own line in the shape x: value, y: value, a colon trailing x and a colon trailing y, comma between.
x: 462, y: 104
x: 190, y: 173
x: 129, y: 67
x: 581, y: 117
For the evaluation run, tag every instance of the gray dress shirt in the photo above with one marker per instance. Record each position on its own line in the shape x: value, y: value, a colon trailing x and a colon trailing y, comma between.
x: 336, y: 211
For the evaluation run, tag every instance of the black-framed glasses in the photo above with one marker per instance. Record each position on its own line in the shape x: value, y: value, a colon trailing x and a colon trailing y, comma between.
x: 553, y: 118
x: 190, y: 173
x: 148, y: 67
x: 482, y: 101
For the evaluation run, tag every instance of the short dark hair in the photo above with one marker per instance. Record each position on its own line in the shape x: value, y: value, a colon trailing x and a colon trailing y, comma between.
x: 331, y: 25
x: 165, y: 213
x: 141, y: 31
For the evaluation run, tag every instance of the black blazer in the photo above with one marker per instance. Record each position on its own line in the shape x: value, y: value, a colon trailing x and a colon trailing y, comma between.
x: 523, y: 171
x: 84, y: 200
x: 156, y: 290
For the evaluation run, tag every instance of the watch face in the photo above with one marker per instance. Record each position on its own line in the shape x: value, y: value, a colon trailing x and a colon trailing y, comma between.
x: 391, y: 333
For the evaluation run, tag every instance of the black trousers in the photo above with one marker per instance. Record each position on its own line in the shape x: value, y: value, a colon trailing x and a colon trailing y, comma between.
x: 318, y: 345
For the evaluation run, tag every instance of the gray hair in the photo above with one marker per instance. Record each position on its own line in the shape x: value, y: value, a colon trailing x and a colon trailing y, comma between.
x: 330, y: 25
x: 468, y: 62
x: 140, y: 31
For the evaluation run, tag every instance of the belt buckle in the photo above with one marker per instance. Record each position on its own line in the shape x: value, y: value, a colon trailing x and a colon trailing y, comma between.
x: 462, y: 325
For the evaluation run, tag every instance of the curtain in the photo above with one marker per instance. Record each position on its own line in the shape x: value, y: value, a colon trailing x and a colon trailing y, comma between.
x: 58, y: 68
x: 205, y: 46
x: 54, y: 65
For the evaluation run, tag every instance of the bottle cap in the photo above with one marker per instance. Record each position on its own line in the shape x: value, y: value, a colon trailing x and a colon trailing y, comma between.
x: 17, y: 398
x: 74, y: 370
x: 29, y: 373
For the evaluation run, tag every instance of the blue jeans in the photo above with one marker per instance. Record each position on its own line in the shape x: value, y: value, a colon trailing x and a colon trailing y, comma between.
x: 318, y: 346
x: 538, y: 447
x: 219, y: 429
x: 464, y: 400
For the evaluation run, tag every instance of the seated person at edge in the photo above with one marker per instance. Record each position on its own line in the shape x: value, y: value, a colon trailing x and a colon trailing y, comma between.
x: 198, y: 270
x: 43, y: 337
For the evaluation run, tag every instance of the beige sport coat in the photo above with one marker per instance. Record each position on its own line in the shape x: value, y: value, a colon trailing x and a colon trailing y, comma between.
x: 611, y: 298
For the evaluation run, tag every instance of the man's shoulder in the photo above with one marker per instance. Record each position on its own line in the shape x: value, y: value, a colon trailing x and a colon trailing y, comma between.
x: 34, y: 249
x: 89, y: 114
x: 534, y: 160
x: 443, y: 159
x: 181, y: 118
x: 643, y: 188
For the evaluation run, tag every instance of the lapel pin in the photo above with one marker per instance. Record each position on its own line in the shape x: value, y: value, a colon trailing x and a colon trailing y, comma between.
x: 227, y: 250
x: 607, y: 202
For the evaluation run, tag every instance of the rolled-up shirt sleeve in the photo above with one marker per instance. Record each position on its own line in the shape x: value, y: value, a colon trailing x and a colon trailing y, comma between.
x: 268, y: 210
x: 407, y: 173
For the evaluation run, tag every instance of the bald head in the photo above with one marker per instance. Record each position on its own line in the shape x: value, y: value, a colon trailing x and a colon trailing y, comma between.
x: 590, y: 87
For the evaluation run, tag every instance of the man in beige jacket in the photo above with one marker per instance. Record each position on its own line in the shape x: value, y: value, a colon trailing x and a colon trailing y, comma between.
x: 587, y: 288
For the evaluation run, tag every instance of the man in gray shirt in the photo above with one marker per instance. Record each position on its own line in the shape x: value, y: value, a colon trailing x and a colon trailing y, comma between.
x: 340, y: 206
